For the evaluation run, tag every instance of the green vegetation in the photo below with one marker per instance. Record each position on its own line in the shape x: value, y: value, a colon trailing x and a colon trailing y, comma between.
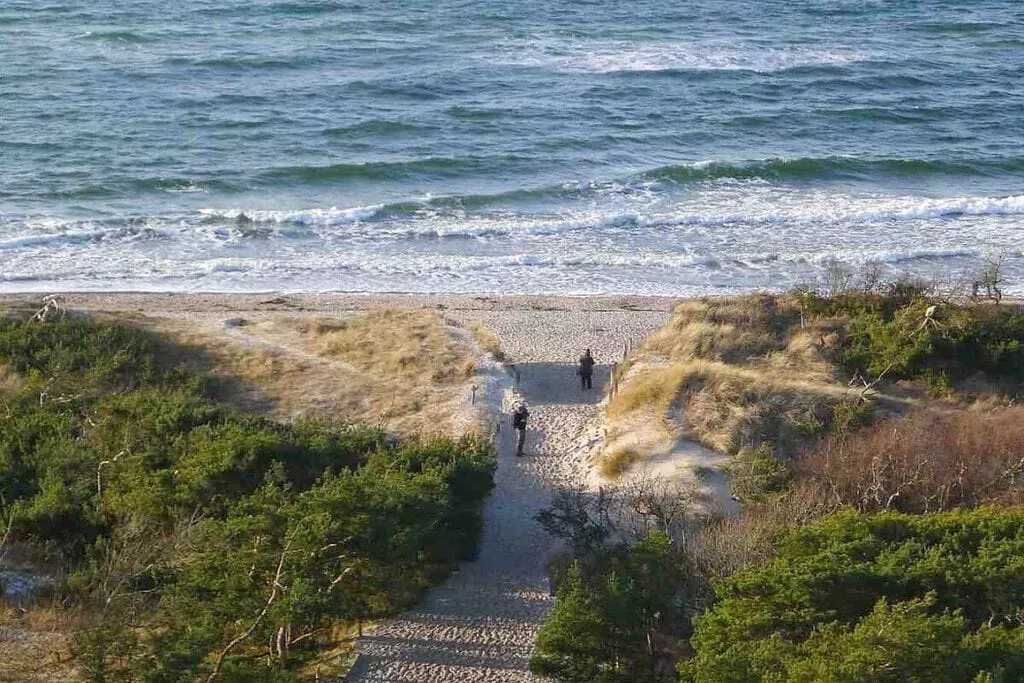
x: 200, y: 541
x: 909, y: 333
x: 623, y: 601
x: 888, y: 597
x: 603, y: 627
x: 756, y: 472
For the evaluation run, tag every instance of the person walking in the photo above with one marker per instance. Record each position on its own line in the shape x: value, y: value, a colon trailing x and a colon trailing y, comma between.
x: 586, y: 371
x: 519, y: 424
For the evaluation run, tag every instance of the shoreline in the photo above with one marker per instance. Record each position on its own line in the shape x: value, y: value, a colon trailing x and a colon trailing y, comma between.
x: 331, y: 302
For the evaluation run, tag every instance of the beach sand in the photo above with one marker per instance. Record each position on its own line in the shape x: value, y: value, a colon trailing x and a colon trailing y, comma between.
x: 481, y: 624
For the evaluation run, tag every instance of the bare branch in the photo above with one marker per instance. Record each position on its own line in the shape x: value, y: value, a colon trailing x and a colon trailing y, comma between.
x: 275, y: 587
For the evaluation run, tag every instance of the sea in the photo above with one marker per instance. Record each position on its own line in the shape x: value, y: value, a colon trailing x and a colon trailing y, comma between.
x: 507, y: 146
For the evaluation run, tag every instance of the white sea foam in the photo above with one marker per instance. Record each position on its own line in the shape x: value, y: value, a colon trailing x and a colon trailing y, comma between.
x: 772, y: 206
x: 186, y: 188
x: 611, y: 56
x: 48, y: 232
x: 723, y: 235
x: 309, y: 217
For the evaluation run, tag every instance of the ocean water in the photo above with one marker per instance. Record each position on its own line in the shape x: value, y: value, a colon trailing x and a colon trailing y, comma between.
x: 707, y: 146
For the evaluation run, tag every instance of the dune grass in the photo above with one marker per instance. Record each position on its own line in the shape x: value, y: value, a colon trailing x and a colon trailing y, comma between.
x: 405, y: 370
x: 734, y: 373
x: 618, y: 461
x: 406, y: 345
x: 488, y: 340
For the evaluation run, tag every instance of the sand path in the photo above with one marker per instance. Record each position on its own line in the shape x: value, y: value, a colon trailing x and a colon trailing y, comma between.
x: 481, y: 624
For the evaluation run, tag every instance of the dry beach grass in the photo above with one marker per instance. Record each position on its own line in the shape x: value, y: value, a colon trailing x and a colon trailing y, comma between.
x: 730, y: 373
x: 405, y: 370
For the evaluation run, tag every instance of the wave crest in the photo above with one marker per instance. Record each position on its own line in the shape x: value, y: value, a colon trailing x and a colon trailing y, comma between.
x: 831, y: 168
x: 606, y: 57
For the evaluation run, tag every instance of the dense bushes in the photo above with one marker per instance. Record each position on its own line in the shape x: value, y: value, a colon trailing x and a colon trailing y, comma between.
x: 908, y: 333
x: 195, y: 534
x: 610, y: 623
x: 889, y: 597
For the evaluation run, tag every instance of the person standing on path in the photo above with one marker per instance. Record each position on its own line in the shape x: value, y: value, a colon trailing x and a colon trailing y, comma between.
x: 586, y: 371
x: 519, y: 424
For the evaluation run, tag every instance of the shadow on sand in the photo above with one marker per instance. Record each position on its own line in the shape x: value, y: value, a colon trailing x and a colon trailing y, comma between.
x: 558, y: 383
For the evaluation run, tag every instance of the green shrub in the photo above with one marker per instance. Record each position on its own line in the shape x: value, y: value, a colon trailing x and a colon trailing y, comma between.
x: 905, y: 332
x: 873, y: 598
x: 954, y: 343
x: 608, y: 622
x: 756, y: 473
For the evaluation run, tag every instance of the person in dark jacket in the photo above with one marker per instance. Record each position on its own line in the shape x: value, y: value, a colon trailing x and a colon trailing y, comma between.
x: 519, y: 424
x: 586, y: 371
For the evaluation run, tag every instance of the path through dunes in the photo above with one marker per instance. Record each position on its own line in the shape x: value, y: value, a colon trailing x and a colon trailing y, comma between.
x: 481, y: 624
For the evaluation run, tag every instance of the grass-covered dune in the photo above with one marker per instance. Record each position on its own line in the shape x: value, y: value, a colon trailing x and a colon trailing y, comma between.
x: 777, y: 372
x: 407, y: 370
x: 182, y: 538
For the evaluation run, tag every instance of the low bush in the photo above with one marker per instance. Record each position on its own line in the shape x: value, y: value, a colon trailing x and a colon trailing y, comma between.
x: 756, y: 473
x: 888, y: 597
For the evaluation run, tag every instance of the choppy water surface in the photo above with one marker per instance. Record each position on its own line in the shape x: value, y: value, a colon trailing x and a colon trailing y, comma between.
x: 512, y: 146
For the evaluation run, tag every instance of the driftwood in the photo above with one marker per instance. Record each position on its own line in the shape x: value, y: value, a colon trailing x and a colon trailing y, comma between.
x: 864, y: 394
x: 53, y: 307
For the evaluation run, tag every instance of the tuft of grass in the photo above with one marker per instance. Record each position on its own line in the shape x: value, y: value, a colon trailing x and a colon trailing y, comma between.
x: 488, y: 340
x: 702, y: 473
x: 618, y: 461
x: 10, y: 381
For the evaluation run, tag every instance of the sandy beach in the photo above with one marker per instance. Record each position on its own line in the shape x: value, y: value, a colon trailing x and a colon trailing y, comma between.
x: 481, y: 624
